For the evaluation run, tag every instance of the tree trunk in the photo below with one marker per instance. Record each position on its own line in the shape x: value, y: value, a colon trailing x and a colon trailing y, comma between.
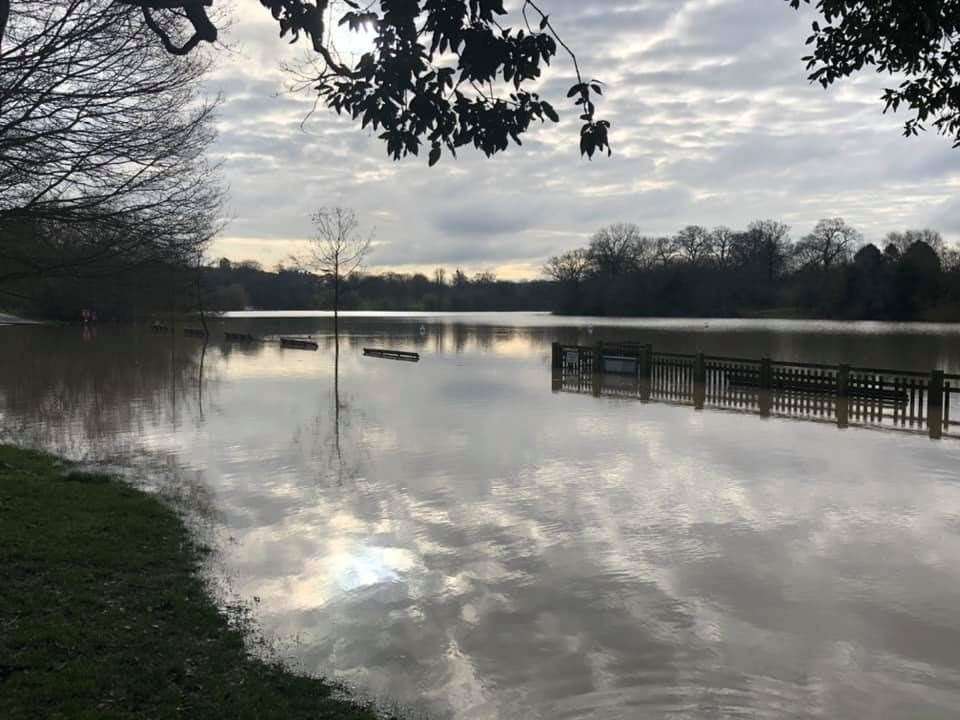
x: 336, y: 304
x: 203, y: 356
x: 203, y: 314
x: 336, y: 399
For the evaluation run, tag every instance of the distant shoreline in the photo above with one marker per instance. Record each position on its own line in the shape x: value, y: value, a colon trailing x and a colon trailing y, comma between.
x: 555, y: 318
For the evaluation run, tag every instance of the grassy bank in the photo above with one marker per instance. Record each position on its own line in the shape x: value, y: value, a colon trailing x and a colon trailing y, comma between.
x: 103, y: 613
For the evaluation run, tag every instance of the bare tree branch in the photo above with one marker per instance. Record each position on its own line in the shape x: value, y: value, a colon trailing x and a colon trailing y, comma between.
x: 102, y: 141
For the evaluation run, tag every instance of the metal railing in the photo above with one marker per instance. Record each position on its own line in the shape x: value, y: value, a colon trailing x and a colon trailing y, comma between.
x: 849, y: 395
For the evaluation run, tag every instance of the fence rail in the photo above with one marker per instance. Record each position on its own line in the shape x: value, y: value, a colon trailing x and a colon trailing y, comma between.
x: 901, y: 399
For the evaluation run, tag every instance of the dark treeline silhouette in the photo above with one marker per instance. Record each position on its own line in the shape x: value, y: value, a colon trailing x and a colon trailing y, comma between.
x: 158, y: 289
x: 132, y: 293
x: 760, y: 271
x: 239, y: 285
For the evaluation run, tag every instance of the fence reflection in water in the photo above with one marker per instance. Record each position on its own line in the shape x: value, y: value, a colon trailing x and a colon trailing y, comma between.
x: 869, y: 397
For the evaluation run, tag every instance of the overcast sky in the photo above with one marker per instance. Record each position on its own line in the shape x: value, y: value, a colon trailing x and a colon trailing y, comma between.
x: 713, y: 123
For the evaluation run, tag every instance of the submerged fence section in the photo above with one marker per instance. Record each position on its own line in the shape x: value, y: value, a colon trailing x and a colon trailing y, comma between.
x: 894, y: 399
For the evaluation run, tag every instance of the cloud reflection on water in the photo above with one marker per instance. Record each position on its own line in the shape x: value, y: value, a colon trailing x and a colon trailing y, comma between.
x: 500, y: 551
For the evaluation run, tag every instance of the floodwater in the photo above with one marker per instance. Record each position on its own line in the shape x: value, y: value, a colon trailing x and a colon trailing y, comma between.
x: 456, y: 536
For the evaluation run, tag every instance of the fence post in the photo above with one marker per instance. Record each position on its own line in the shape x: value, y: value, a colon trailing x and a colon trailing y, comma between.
x: 935, y: 404
x: 935, y: 389
x: 556, y: 380
x: 556, y: 367
x: 700, y: 369
x: 596, y: 378
x: 843, y: 395
x: 699, y: 382
x: 766, y: 374
x: 843, y: 381
x: 766, y: 382
x: 645, y: 366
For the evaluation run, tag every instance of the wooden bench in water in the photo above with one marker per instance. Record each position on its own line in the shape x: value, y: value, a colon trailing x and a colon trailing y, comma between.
x: 239, y: 337
x: 392, y: 354
x: 298, y: 344
x: 819, y: 386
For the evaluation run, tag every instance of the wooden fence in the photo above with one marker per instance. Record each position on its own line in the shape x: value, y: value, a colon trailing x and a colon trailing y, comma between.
x: 899, y: 399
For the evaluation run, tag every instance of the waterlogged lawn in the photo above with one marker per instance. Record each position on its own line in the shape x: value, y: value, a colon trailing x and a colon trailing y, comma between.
x: 103, y: 613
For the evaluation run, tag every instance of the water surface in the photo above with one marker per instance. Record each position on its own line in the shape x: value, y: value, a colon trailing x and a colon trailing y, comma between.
x: 454, y: 535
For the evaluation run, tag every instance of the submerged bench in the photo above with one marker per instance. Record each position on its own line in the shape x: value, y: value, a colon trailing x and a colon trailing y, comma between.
x: 620, y: 364
x: 239, y: 337
x: 298, y: 344
x: 822, y: 386
x: 392, y: 354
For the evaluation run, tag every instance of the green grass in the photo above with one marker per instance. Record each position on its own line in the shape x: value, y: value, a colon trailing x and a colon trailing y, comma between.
x: 103, y: 613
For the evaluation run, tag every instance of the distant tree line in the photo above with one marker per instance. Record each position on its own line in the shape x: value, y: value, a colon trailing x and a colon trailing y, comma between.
x: 238, y: 285
x: 830, y: 272
x: 757, y: 272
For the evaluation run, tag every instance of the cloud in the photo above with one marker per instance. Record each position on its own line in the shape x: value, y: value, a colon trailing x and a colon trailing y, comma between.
x: 947, y: 218
x: 480, y: 221
x: 714, y: 123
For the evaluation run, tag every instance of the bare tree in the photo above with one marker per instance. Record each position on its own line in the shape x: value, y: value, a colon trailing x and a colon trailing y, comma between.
x: 721, y: 244
x: 951, y: 259
x: 645, y: 252
x: 765, y: 247
x: 569, y: 267
x: 903, y: 240
x: 694, y: 243
x: 337, y: 249
x: 664, y: 250
x: 831, y: 242
x: 612, y: 249
x: 102, y: 141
